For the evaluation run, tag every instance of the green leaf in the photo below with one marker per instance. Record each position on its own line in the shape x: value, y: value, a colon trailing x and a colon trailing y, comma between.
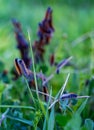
x: 74, y: 123
x: 2, y: 87
x: 91, y: 87
x: 51, y: 120
x: 46, y: 115
x: 80, y: 109
x: 62, y: 119
x: 44, y: 68
x: 21, y: 120
x: 1, y: 66
x: 83, y: 128
x: 89, y: 124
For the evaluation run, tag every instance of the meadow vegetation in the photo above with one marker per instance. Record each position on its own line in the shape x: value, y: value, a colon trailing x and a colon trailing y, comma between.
x: 21, y: 107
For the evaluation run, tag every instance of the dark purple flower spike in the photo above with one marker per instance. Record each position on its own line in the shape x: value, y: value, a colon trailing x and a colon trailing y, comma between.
x: 44, y: 36
x: 23, y: 45
x: 46, y: 28
x: 17, y: 25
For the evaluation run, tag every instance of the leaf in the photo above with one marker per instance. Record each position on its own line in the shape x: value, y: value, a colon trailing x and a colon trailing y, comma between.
x: 83, y: 128
x: 62, y: 119
x: 51, y: 120
x: 74, y: 123
x: 46, y: 115
x: 44, y: 68
x: 89, y: 124
x: 80, y: 109
x: 1, y: 66
x: 91, y: 86
x: 74, y: 82
x: 64, y: 104
x: 21, y: 120
x: 2, y: 87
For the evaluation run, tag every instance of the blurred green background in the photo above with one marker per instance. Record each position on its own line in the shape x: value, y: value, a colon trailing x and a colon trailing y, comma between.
x: 71, y: 20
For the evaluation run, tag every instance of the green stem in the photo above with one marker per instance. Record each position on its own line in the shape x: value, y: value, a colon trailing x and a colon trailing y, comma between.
x: 33, y: 66
x: 30, y: 91
x: 13, y: 106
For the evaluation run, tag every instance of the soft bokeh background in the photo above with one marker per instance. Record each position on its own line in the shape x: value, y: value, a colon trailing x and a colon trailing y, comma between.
x: 71, y: 20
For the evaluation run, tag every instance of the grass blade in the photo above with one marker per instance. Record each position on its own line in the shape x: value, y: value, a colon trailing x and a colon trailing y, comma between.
x: 21, y: 120
x: 80, y: 109
x: 46, y: 116
x: 33, y: 66
x: 13, y: 106
x: 51, y: 120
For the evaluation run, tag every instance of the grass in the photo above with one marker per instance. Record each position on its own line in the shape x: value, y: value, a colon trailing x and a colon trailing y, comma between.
x: 71, y: 25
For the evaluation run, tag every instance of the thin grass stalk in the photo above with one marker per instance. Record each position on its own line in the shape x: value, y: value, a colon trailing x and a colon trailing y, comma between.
x: 46, y: 116
x: 30, y: 92
x: 33, y: 65
x: 43, y: 93
x: 63, y: 88
x: 16, y: 106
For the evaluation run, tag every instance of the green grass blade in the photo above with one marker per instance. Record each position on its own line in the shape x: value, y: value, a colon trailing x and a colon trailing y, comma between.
x: 80, y: 109
x: 21, y: 120
x: 13, y: 106
x: 46, y: 115
x: 63, y: 87
x: 51, y: 121
x: 74, y: 123
x: 30, y: 91
x: 36, y: 85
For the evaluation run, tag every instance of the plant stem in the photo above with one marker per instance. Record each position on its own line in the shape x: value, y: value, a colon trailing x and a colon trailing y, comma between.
x: 33, y: 65
x: 14, y: 106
